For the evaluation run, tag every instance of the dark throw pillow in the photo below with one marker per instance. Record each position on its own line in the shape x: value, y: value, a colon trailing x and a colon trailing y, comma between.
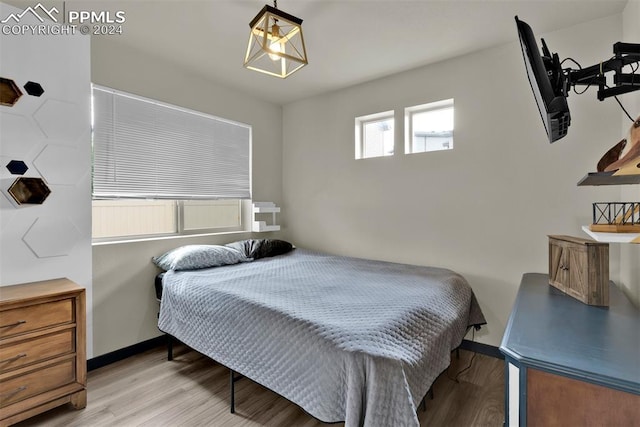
x: 261, y: 248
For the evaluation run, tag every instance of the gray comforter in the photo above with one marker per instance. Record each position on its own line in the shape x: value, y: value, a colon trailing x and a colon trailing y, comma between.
x: 346, y: 339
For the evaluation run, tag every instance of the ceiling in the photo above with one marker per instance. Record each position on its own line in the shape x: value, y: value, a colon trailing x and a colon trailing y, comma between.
x: 348, y: 41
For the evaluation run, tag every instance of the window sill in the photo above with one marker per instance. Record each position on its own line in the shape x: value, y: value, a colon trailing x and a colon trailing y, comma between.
x: 171, y: 237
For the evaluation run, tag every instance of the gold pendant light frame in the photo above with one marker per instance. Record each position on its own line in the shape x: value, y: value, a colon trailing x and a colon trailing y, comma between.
x: 276, y: 43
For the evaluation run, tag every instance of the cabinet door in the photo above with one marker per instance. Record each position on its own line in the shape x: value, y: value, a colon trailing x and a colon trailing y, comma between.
x: 578, y: 274
x: 558, y: 265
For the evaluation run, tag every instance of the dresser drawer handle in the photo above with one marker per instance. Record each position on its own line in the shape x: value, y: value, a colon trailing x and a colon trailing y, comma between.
x: 16, y: 357
x: 18, y: 323
x: 14, y: 392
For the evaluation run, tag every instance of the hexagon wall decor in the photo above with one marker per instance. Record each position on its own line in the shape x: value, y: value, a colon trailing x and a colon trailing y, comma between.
x: 9, y: 92
x: 17, y: 167
x: 48, y: 118
x: 19, y: 135
x: 33, y: 88
x: 29, y: 191
x: 51, y: 236
x: 58, y: 164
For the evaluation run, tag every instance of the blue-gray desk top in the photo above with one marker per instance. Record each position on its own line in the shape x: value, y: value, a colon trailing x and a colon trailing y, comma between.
x: 552, y: 331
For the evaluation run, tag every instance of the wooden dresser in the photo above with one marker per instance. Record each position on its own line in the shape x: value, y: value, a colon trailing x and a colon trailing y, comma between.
x: 568, y: 363
x: 42, y: 348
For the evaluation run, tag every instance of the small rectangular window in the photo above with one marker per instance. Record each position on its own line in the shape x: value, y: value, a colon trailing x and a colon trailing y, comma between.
x: 211, y: 214
x: 429, y: 127
x: 130, y: 217
x: 374, y: 135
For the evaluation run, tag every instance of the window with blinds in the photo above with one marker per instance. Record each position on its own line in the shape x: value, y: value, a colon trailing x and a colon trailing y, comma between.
x: 162, y: 169
x: 147, y: 149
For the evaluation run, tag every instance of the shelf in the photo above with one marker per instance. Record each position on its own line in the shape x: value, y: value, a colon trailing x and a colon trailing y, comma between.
x: 265, y: 208
x: 262, y: 226
x: 32, y: 191
x: 612, y: 237
x: 259, y: 209
x: 608, y: 178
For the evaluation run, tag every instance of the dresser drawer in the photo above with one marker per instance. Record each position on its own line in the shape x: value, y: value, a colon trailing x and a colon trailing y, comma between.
x: 35, y: 382
x: 22, y: 353
x: 33, y: 317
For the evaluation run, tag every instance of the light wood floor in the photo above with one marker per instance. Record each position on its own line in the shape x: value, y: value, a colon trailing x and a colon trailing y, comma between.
x: 192, y: 390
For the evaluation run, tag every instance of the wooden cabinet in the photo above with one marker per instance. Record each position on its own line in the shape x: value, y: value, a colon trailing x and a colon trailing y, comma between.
x: 570, y: 364
x: 580, y: 268
x: 42, y: 348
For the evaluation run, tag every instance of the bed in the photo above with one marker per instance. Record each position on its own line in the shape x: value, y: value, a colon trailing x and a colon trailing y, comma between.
x: 346, y: 339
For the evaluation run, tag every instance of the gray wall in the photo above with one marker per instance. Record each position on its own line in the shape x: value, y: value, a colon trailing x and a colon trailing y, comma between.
x: 484, y: 208
x: 124, y: 303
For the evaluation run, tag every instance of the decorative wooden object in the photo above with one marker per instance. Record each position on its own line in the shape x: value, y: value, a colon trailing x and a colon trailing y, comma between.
x: 621, y: 164
x: 632, y: 165
x: 580, y: 268
x: 616, y: 217
x: 43, y: 361
x: 629, y: 161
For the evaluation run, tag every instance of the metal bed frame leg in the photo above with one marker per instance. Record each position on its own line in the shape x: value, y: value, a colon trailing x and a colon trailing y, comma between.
x: 423, y: 403
x: 169, y: 347
x: 232, y: 389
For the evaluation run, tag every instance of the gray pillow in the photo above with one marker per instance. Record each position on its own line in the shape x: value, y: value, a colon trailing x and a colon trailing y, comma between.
x: 193, y: 257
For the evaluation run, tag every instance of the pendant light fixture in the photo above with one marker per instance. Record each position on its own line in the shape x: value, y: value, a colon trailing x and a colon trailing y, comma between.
x: 276, y: 44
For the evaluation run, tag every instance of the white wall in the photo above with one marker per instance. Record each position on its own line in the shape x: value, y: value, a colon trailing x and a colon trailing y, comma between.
x: 630, y: 254
x: 124, y: 303
x: 51, y: 134
x: 483, y: 209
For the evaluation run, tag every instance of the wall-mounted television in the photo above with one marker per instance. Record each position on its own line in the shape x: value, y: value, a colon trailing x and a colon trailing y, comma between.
x: 547, y: 81
x: 551, y: 83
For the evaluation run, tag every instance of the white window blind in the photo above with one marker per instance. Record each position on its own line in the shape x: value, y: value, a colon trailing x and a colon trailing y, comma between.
x: 147, y: 149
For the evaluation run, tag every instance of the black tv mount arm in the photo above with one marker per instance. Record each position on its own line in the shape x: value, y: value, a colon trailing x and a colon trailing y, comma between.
x: 624, y: 54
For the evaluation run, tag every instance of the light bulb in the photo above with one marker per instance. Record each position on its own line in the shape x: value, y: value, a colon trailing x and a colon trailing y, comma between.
x: 275, y: 47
